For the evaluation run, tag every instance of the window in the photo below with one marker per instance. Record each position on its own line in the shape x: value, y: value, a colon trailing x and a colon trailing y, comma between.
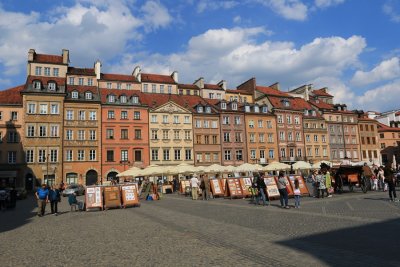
x: 176, y: 119
x: 136, y: 115
x: 80, y: 81
x: 42, y: 131
x: 252, y: 154
x: 270, y: 138
x: 166, y: 154
x: 208, y: 109
x: 124, y: 155
x: 119, y: 86
x: 81, y: 135
x: 111, y: 98
x: 206, y: 139
x: 299, y: 152
x: 298, y: 137
x: 42, y: 156
x: 90, y: 82
x: 54, y: 131
x: 234, y: 106
x: 154, y: 154
x: 111, y: 114
x: 281, y: 136
x: 37, y: 85
x: 271, y: 154
x: 186, y: 119
x: 289, y: 119
x: 260, y: 124
x: 197, y: 123
x: 214, y: 139
x: 165, y: 134
x: 207, y: 157
x: 307, y: 138
x: 81, y: 115
x: 12, y: 137
x: 88, y: 95
x: 92, y: 115
x: 261, y: 138
x: 71, y: 80
x: 323, y: 138
x: 169, y: 89
x: 122, y: 99
x: 110, y: 134
x: 237, y: 120
x: 211, y: 95
x: 154, y: 88
x: 43, y: 108
x: 68, y: 155
x: 280, y: 119
x: 153, y: 118
x: 54, y: 109
x: 225, y: 120
x: 31, y: 108
x: 69, y: 135
x: 215, y: 157
x: 38, y: 71
x: 238, y: 137
x: 177, y: 153
x: 29, y: 156
x: 92, y: 135
x: 138, y: 155
x: 70, y: 115
x: 283, y: 152
x: 239, y: 155
x: 124, y: 115
x: 47, y: 71
x: 135, y: 99
x: 12, y: 157
x: 110, y: 155
x: 31, y: 131
x: 75, y: 95
x: 223, y: 105
x: 227, y: 137
x: 252, y: 138
x: 109, y: 86
x: 227, y: 155
x: 81, y: 155
x: 315, y: 138
x: 206, y: 124
x: 92, y: 155
x: 176, y: 134
x: 290, y: 136
x: 124, y: 134
x: 317, y: 151
x: 269, y: 124
x: 154, y: 134
x: 145, y: 87
x: 165, y: 119
x: 53, y: 155
x: 138, y: 134
x: 214, y: 124
x: 161, y: 89
x: 187, y: 135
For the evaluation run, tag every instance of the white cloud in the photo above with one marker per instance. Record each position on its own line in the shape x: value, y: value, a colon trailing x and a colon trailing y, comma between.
x: 327, y: 3
x: 386, y: 70
x: 237, y: 19
x: 336, y: 87
x: 289, y: 9
x: 381, y: 98
x: 90, y: 29
x: 390, y: 9
x: 207, y: 5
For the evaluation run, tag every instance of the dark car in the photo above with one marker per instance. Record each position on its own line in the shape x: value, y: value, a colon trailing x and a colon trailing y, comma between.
x: 21, y: 193
x: 78, y: 189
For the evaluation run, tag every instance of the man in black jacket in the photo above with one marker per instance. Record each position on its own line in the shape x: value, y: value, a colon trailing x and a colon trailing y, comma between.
x: 389, y: 179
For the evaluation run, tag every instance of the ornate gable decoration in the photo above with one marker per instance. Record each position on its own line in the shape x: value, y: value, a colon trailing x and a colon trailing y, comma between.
x: 170, y: 107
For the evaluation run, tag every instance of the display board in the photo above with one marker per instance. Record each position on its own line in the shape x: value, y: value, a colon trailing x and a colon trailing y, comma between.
x: 302, y: 184
x: 245, y: 183
x: 184, y: 184
x: 288, y: 186
x: 112, y: 197
x: 223, y: 184
x: 93, y: 197
x: 234, y: 188
x: 216, y: 188
x: 129, y: 195
x: 272, y: 188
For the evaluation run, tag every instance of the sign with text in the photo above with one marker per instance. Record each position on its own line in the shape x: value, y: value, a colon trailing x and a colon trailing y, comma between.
x: 93, y: 197
x: 129, y: 195
x: 272, y: 188
x: 288, y: 186
x: 112, y: 197
x: 184, y: 184
x: 302, y: 186
x: 216, y: 187
x: 234, y: 187
x: 245, y: 184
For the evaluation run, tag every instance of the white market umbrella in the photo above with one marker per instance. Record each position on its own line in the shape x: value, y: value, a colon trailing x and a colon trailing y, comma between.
x: 214, y: 168
x: 134, y: 171
x: 277, y: 166
x: 185, y: 168
x: 229, y: 168
x: 152, y: 170
x: 302, y: 165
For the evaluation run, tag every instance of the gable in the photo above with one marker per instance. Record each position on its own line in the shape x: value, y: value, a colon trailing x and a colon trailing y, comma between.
x: 170, y: 107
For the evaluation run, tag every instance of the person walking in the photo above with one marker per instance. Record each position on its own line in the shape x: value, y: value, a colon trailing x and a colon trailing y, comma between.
x: 206, y: 190
x: 297, y: 193
x: 194, y: 184
x: 261, y: 188
x: 54, y: 197
x: 72, y: 201
x: 328, y: 182
x: 42, y: 197
x: 321, y: 184
x: 283, y: 191
x: 389, y: 177
x: 314, y: 183
x: 381, y: 177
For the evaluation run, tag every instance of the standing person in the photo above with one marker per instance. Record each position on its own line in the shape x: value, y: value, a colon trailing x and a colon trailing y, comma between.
x: 297, y: 193
x: 54, y: 197
x: 381, y: 177
x: 42, y: 197
x: 13, y: 197
x: 3, y: 198
x: 175, y: 183
x: 328, y: 182
x: 321, y: 184
x: 389, y: 177
x: 314, y: 183
x: 194, y: 183
x: 283, y: 191
x: 367, y: 172
x: 261, y: 187
x: 206, y: 190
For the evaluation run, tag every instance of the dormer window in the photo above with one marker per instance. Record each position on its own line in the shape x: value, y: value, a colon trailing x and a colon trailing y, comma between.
x: 285, y: 102
x: 37, y: 85
x: 223, y: 105
x: 306, y: 112
x: 135, y: 99
x: 247, y: 108
x: 88, y: 95
x: 122, y: 99
x: 75, y: 95
x: 51, y: 86
x: 313, y: 113
x: 208, y: 109
x: 234, y: 106
x: 256, y: 109
x: 111, y: 98
x: 265, y: 109
x: 199, y: 109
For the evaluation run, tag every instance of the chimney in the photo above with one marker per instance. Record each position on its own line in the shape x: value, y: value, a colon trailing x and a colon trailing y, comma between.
x: 200, y: 82
x: 97, y: 69
x: 307, y: 92
x: 275, y: 86
x: 174, y: 76
x: 65, y: 56
x: 31, y: 54
x: 344, y: 107
x: 222, y: 84
x: 137, y: 73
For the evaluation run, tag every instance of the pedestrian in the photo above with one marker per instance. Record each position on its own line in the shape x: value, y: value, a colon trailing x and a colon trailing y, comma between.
x: 283, y: 191
x: 367, y: 172
x: 206, y: 190
x: 175, y: 183
x: 194, y: 184
x: 297, y: 193
x: 321, y: 184
x: 72, y: 201
x: 328, y: 182
x: 42, y: 197
x: 54, y: 197
x: 3, y: 198
x: 381, y: 177
x: 261, y: 188
x: 374, y: 183
x: 314, y: 183
x: 13, y: 198
x: 389, y: 177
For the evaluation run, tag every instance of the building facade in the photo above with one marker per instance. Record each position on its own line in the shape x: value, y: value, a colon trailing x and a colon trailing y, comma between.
x: 369, y: 142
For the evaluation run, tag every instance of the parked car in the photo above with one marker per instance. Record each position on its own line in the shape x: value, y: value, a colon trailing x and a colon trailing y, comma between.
x: 21, y: 193
x: 78, y: 189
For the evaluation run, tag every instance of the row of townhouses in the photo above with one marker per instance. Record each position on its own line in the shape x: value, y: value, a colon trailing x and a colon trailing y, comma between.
x: 80, y: 125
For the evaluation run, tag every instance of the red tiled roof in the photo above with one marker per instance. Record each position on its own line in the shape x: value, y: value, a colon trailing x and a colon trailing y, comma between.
x: 82, y: 88
x: 296, y: 103
x: 384, y: 128
x: 270, y: 91
x: 157, y: 78
x: 45, y: 80
x: 12, y: 96
x: 321, y: 105
x: 188, y: 86
x: 397, y: 113
x: 242, y: 92
x: 321, y: 92
x: 105, y: 92
x: 81, y: 71
x: 185, y: 101
x: 118, y: 77
x: 52, y: 59
x: 367, y: 119
x: 212, y: 86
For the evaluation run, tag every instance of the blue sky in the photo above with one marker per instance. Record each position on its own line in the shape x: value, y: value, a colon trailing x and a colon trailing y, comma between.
x: 350, y: 46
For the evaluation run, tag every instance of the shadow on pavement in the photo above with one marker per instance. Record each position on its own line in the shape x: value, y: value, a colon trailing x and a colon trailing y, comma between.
x: 22, y: 214
x: 365, y: 245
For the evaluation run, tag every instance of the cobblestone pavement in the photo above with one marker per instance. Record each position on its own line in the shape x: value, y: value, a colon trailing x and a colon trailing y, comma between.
x: 352, y: 229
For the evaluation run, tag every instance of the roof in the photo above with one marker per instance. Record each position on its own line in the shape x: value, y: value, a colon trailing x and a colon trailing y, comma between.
x: 117, y: 92
x: 81, y: 71
x: 118, y: 77
x: 242, y: 92
x: 270, y: 91
x: 397, y: 113
x: 367, y: 119
x: 12, y: 96
x: 321, y: 105
x: 157, y: 78
x: 186, y: 101
x: 82, y: 88
x: 188, y: 86
x: 321, y: 92
x: 45, y: 79
x: 296, y: 103
x: 384, y: 128
x: 52, y: 59
x: 213, y: 87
